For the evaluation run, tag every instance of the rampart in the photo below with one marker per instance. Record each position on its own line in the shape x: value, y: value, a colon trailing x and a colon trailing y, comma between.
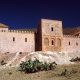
x: 17, y: 41
x: 71, y: 43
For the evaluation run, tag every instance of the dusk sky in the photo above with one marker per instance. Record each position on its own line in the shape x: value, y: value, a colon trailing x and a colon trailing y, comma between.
x: 26, y: 13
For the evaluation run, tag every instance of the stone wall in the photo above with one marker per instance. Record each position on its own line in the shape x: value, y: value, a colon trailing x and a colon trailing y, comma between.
x: 17, y: 41
x: 47, y: 26
x: 70, y: 43
x: 51, y: 35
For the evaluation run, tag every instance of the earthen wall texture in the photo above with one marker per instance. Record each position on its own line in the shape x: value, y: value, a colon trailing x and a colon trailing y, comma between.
x: 52, y: 31
x: 70, y: 44
x: 7, y: 44
x: 49, y: 37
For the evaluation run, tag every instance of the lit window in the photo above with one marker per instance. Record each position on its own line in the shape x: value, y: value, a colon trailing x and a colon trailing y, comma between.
x: 25, y: 39
x: 13, y: 39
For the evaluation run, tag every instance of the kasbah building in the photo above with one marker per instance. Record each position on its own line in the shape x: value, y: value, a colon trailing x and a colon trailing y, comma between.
x: 49, y: 36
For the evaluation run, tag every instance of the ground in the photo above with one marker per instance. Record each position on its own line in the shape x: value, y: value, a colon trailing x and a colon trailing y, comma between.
x: 61, y: 72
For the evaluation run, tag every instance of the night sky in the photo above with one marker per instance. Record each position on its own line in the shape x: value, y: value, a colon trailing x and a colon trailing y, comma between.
x: 26, y: 13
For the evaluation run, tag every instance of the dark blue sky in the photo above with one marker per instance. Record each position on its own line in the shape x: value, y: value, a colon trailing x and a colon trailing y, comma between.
x: 26, y: 13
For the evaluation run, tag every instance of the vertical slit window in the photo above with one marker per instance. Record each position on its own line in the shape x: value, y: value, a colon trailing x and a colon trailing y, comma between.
x: 25, y: 39
x: 13, y: 39
x: 69, y: 43
x: 52, y: 42
x: 51, y: 28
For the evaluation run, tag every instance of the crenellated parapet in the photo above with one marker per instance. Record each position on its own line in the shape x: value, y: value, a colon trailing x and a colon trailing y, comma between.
x: 18, y: 31
x: 71, y: 36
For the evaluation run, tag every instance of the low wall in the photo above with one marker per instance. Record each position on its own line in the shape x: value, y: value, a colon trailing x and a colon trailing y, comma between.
x: 70, y: 43
x: 7, y: 44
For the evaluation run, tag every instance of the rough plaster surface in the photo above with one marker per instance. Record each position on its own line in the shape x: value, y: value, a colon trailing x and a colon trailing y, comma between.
x: 19, y: 45
x: 44, y: 31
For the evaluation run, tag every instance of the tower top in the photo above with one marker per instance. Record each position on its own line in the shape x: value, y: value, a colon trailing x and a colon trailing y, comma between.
x: 50, y: 20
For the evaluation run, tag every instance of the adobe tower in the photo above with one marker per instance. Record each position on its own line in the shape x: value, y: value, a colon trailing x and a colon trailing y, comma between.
x: 49, y: 35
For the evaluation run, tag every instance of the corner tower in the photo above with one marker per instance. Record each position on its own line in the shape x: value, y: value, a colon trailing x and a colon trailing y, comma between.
x: 49, y: 35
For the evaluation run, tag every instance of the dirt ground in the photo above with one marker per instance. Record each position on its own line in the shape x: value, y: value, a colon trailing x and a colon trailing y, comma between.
x: 61, y: 72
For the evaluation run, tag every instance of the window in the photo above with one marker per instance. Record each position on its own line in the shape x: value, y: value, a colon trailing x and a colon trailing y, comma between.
x: 76, y: 44
x: 25, y: 39
x: 52, y: 29
x: 13, y: 39
x: 69, y: 43
x: 52, y: 42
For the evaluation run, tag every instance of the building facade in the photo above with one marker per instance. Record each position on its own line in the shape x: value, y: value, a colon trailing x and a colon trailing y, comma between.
x: 49, y: 36
x: 16, y: 40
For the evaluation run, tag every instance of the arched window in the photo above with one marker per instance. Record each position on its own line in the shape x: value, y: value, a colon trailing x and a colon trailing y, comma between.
x: 52, y: 42
x: 59, y: 42
x: 46, y: 41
